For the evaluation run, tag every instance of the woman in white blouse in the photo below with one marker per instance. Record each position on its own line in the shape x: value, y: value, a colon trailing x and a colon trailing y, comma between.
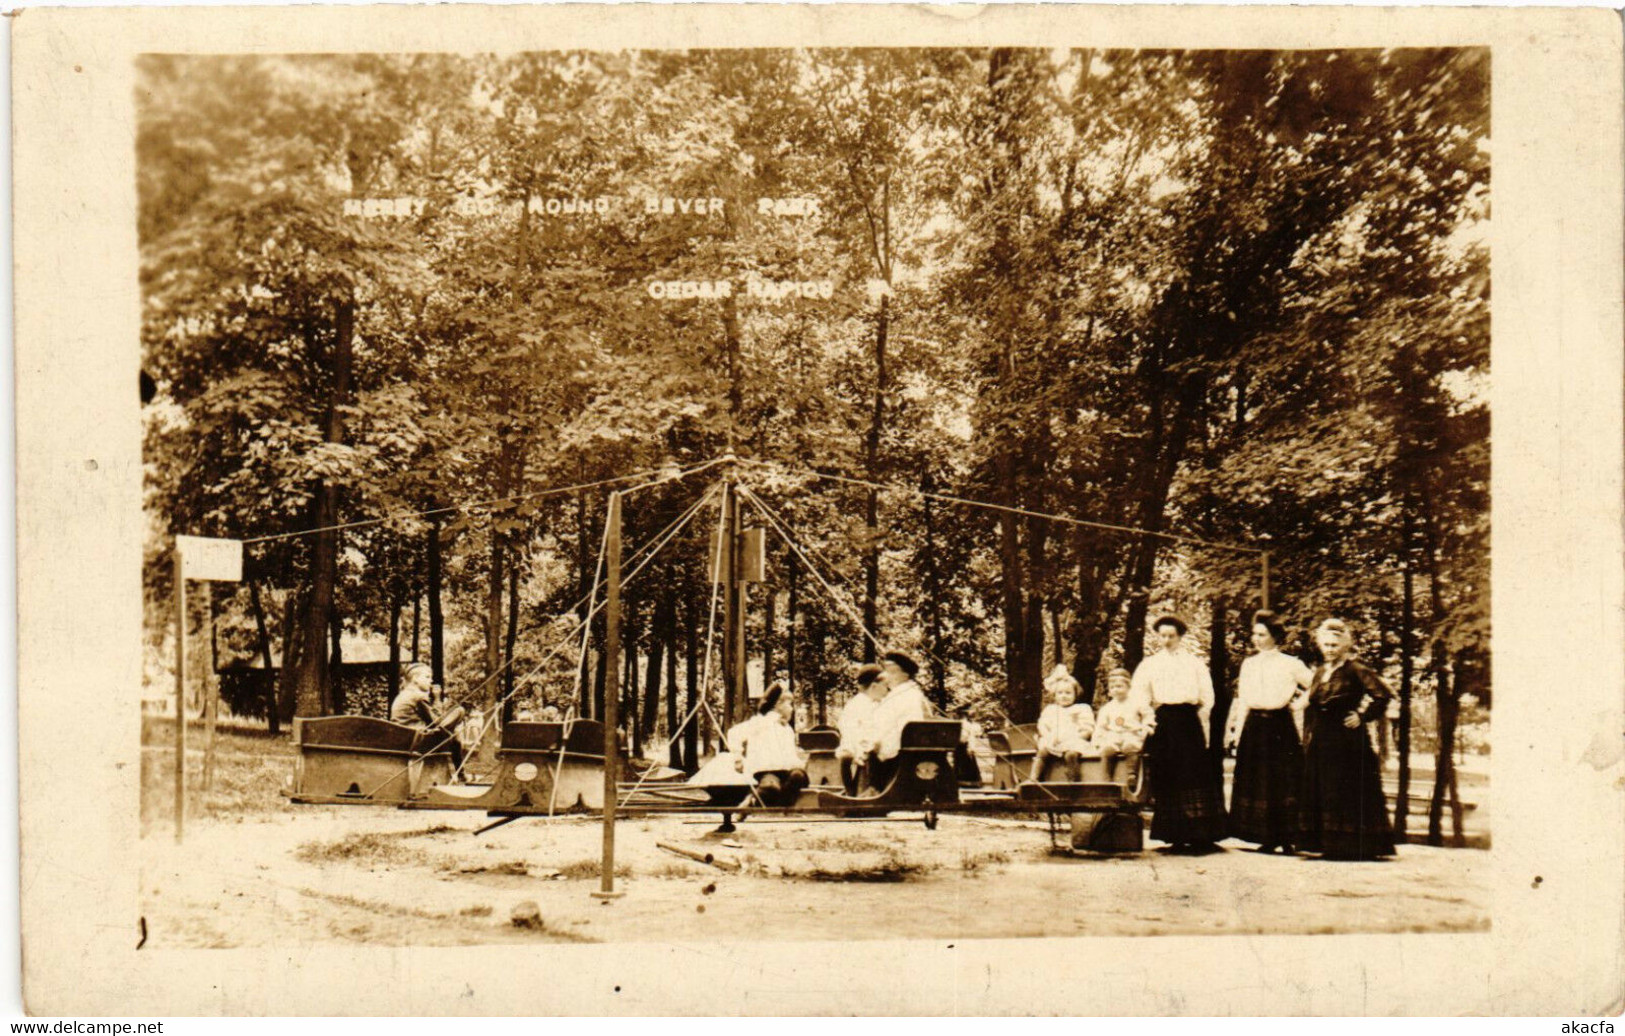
x: 1187, y: 792
x: 1269, y: 758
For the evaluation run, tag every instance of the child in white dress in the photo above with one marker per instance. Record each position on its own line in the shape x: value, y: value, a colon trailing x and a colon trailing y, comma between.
x: 1064, y: 727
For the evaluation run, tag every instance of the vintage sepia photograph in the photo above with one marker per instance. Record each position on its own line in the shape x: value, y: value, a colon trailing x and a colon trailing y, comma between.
x: 820, y: 510
x: 877, y: 483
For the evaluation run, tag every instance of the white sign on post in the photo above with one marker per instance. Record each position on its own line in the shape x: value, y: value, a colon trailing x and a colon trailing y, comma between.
x: 217, y: 560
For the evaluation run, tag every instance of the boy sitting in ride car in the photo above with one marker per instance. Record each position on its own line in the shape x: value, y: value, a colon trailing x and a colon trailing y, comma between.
x: 1121, y: 727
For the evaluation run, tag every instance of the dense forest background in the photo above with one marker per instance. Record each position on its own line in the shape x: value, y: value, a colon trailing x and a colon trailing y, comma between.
x: 1234, y: 297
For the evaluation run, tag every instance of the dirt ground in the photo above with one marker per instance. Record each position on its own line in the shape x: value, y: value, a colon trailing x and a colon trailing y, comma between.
x: 381, y: 876
x: 257, y: 870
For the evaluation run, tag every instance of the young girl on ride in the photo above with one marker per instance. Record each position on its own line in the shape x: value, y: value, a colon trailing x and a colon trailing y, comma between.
x: 1121, y: 728
x: 769, y: 751
x: 1064, y: 726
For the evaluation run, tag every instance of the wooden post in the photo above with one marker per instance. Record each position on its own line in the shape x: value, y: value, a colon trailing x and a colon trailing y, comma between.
x: 741, y: 681
x: 732, y: 689
x: 1264, y: 584
x: 211, y: 692
x: 612, y: 696
x: 180, y: 694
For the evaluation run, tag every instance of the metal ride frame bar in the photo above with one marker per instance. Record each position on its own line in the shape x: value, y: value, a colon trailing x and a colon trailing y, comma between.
x: 1105, y: 798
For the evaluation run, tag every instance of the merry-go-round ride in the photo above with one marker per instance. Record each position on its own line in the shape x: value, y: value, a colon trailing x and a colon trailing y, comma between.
x: 556, y: 769
x: 579, y: 766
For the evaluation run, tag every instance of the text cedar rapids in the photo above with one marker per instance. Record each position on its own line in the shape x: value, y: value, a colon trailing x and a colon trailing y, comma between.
x: 598, y: 207
x: 754, y: 288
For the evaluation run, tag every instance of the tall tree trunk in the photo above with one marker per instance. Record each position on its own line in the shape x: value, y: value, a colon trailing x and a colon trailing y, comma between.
x: 932, y: 586
x: 1446, y: 704
x: 1406, y: 680
x: 1015, y: 627
x: 494, y: 587
x: 437, y: 618
x: 585, y: 576
x: 417, y: 619
x: 1457, y: 838
x: 292, y: 644
x: 674, y: 715
x: 1139, y: 601
x: 314, y: 690
x: 1218, y: 667
x: 770, y: 600
x: 338, y: 692
x: 1032, y: 661
x: 631, y: 717
x: 1032, y: 639
x: 732, y: 364
x: 659, y: 634
x: 1055, y: 640
x: 792, y: 618
x: 510, y: 643
x: 871, y: 502
x: 393, y: 681
x: 599, y: 674
x: 1444, y: 765
x: 1091, y: 625
x: 691, y: 731
x: 273, y: 714
x: 1164, y: 448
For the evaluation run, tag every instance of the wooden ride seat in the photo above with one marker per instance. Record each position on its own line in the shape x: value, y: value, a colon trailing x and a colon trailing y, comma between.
x: 1014, y: 749
x: 1125, y: 775
x: 1092, y: 769
x: 361, y: 759
x: 541, y: 767
x: 925, y: 771
x: 823, y: 769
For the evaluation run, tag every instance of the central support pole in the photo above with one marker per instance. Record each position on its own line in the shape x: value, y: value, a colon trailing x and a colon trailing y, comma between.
x: 612, y: 698
x: 733, y: 688
x: 180, y: 694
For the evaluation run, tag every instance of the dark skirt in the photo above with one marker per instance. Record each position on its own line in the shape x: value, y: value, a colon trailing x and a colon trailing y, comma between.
x: 1269, y: 774
x: 1344, y: 813
x: 1186, y: 791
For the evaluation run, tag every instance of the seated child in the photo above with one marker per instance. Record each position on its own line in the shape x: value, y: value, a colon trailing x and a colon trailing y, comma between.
x: 1121, y: 728
x: 769, y: 751
x: 1064, y: 726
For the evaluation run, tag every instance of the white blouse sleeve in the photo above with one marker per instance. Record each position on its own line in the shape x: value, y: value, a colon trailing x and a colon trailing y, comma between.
x: 1140, y: 685
x: 1205, y: 692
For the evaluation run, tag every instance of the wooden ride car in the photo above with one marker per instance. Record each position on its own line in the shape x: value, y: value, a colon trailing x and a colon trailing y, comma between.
x: 1014, y: 749
x: 543, y: 769
x: 823, y: 769
x: 363, y: 760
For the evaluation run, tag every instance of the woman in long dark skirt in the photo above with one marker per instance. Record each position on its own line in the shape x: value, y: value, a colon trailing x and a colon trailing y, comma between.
x: 1269, y: 758
x: 1345, y: 815
x: 1186, y: 791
